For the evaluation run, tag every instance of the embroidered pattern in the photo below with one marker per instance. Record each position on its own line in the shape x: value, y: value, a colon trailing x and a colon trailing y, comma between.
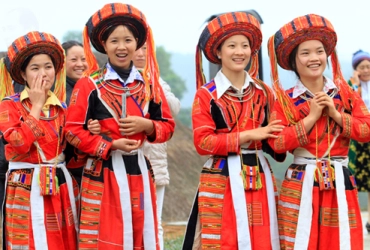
x: 364, y: 130
x: 279, y: 143
x: 209, y: 143
x: 196, y: 107
x: 73, y: 140
x: 211, y: 195
x: 347, y: 125
x: 34, y: 126
x: 74, y: 96
x: 301, y: 135
x: 255, y: 214
x: 4, y: 116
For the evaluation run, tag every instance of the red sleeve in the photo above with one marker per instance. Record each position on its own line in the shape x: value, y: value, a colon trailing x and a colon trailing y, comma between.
x: 79, y: 107
x: 164, y: 125
x: 292, y: 136
x: 206, y: 140
x: 357, y: 124
x: 20, y: 132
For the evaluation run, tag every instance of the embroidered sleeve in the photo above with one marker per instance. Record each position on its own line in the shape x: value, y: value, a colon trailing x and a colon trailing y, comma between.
x: 292, y: 136
x: 206, y: 141
x: 75, y: 133
x: 18, y: 131
x: 356, y: 125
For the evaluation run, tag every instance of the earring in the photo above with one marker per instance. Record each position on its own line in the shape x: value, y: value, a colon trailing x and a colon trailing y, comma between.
x: 219, y: 57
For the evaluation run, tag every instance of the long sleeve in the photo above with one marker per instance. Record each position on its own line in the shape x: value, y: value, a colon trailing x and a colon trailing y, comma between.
x: 164, y: 124
x: 80, y: 107
x: 18, y: 131
x: 206, y: 140
x: 292, y: 136
x: 356, y: 125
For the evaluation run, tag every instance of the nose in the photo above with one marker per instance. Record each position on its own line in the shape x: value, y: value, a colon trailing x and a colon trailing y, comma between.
x: 121, y: 45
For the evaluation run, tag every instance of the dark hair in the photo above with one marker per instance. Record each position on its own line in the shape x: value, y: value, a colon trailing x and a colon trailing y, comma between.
x: 69, y: 44
x: 293, y: 64
x: 110, y: 30
x: 28, y: 59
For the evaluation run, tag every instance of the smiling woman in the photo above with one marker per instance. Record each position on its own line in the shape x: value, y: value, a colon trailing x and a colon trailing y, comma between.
x: 118, y: 208
x: 318, y: 205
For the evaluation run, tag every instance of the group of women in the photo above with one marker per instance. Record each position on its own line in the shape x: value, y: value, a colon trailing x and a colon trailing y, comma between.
x: 113, y: 110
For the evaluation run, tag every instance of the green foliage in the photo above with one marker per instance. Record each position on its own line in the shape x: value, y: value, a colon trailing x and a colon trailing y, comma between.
x: 184, y: 116
x: 173, y: 244
x: 176, y: 83
x: 72, y: 35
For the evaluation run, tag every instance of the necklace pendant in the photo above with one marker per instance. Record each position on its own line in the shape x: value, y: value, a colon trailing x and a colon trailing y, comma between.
x: 124, y: 104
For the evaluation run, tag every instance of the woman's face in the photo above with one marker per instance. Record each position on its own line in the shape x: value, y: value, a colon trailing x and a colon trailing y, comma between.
x: 120, y: 47
x: 75, y: 62
x: 364, y: 70
x: 235, y: 53
x: 42, y: 65
x: 311, y: 60
x: 139, y: 58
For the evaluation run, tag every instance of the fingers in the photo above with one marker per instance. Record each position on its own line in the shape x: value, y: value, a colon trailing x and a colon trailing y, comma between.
x: 274, y: 122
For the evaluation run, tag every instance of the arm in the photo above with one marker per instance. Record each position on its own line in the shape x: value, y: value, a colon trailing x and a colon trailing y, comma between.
x: 356, y: 125
x: 206, y: 140
x: 82, y: 104
x: 18, y: 131
x: 291, y: 137
x: 172, y: 100
x: 163, y: 123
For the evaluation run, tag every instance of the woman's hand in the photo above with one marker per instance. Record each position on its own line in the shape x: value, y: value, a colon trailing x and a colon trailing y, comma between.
x: 262, y: 133
x: 135, y: 124
x: 93, y: 126
x: 126, y: 145
x: 37, y: 94
x: 324, y: 100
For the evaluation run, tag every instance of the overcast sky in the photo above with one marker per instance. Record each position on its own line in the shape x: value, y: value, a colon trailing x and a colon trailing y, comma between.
x: 177, y: 24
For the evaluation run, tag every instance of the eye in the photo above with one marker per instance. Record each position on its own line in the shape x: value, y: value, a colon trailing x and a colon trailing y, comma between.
x: 128, y: 40
x: 231, y: 46
x: 83, y: 59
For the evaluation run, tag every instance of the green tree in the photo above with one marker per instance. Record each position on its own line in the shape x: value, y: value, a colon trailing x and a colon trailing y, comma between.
x: 73, y: 35
x: 184, y: 116
x: 176, y: 83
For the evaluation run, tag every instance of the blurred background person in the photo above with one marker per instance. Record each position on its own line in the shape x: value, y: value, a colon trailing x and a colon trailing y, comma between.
x: 359, y: 153
x: 157, y: 153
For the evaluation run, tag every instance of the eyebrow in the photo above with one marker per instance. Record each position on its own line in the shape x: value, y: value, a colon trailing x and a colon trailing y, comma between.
x: 35, y: 64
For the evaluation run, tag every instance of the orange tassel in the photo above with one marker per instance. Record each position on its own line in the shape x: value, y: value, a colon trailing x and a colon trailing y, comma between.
x: 346, y: 92
x: 60, y: 82
x: 6, y: 86
x: 90, y: 57
x: 151, y: 70
x: 201, y: 79
x: 253, y: 70
x: 282, y: 97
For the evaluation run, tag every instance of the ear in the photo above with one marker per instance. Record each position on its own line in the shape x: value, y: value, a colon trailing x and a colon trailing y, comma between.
x: 105, y: 46
x: 24, y: 76
x: 218, y: 54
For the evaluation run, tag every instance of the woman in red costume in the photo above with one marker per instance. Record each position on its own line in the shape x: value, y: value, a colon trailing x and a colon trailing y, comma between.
x: 318, y: 204
x: 118, y: 209
x: 235, y: 207
x: 40, y: 209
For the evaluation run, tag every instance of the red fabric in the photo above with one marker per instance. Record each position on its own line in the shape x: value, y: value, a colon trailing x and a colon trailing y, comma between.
x: 355, y: 126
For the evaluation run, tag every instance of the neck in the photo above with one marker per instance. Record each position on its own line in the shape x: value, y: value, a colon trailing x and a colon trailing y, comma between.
x: 237, y: 79
x: 314, y: 85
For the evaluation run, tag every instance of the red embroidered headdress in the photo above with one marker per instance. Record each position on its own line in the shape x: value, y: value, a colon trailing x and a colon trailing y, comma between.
x: 26, y: 46
x: 287, y: 38
x: 113, y: 14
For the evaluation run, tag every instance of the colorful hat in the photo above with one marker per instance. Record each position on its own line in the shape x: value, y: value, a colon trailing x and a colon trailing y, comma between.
x: 286, y: 39
x: 308, y: 27
x: 34, y: 43
x: 221, y: 28
x: 358, y: 57
x: 122, y: 14
x: 110, y: 15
